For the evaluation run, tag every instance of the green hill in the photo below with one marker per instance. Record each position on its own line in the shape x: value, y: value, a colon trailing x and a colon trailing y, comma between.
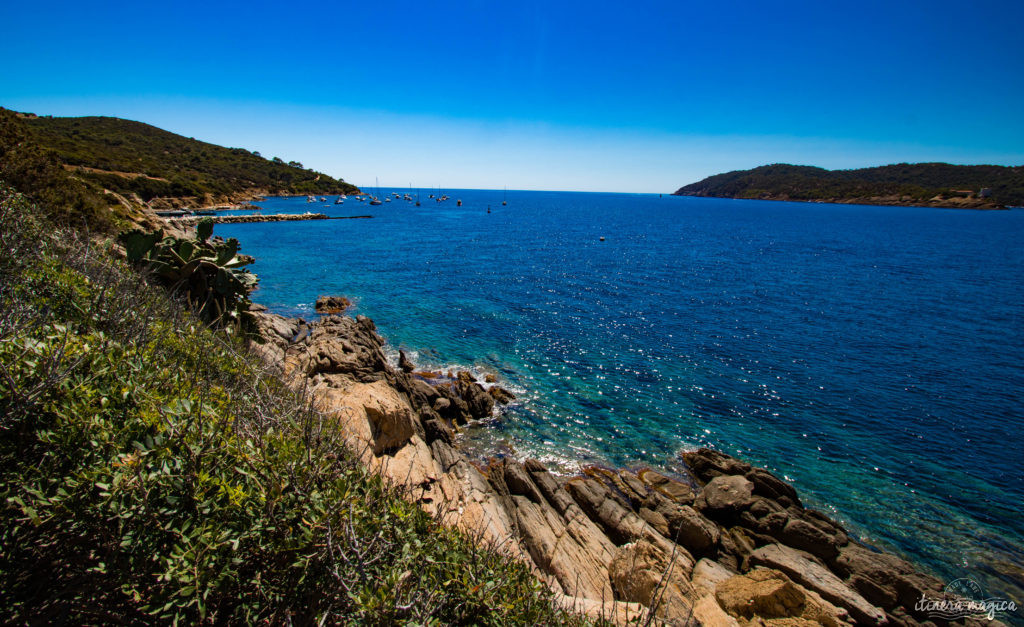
x: 134, y: 158
x: 927, y: 184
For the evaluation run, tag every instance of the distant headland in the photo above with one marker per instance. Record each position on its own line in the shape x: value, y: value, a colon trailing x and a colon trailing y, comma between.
x: 905, y: 184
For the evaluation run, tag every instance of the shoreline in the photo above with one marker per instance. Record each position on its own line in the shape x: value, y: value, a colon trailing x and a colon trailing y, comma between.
x: 871, y: 202
x: 592, y: 536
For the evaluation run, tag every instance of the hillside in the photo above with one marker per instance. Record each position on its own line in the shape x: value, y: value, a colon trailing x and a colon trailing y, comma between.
x: 923, y: 184
x: 134, y: 158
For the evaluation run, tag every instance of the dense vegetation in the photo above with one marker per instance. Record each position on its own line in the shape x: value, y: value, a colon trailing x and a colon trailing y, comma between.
x: 38, y: 172
x: 151, y: 473
x: 138, y: 158
x: 919, y: 182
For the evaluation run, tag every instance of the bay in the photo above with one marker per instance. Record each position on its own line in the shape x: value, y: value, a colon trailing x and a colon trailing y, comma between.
x: 874, y: 356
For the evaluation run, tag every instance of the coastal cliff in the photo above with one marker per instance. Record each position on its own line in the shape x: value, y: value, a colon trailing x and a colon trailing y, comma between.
x: 940, y: 185
x: 728, y: 544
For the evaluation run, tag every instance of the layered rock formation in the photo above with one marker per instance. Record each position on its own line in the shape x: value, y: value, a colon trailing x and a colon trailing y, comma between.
x: 730, y: 544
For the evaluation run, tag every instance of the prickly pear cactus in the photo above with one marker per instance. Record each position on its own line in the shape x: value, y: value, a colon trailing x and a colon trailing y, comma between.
x: 206, y: 270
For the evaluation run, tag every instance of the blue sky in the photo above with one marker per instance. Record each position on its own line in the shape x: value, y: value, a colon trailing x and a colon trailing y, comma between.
x: 643, y: 96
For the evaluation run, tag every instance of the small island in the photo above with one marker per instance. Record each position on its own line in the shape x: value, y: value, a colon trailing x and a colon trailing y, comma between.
x: 904, y: 184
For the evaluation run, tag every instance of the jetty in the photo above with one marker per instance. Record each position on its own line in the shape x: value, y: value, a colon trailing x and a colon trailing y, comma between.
x: 192, y: 220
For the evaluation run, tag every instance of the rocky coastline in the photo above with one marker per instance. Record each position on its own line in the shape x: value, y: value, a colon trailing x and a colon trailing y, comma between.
x: 956, y: 202
x: 729, y: 544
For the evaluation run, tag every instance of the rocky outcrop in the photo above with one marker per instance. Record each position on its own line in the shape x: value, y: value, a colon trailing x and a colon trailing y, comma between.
x: 726, y: 544
x: 332, y: 305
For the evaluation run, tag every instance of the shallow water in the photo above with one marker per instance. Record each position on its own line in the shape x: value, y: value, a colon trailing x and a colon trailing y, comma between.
x: 872, y: 355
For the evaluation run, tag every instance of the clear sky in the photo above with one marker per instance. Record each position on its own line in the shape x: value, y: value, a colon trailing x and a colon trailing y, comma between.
x: 606, y: 96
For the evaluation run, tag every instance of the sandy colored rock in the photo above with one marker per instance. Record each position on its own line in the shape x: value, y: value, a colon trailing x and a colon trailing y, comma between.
x: 615, y: 612
x: 707, y: 574
x: 621, y: 524
x: 726, y: 494
x: 816, y: 577
x: 555, y: 494
x: 687, y: 527
x: 768, y: 597
x: 710, y: 613
x: 801, y: 534
x: 389, y: 417
x: 581, y: 570
x: 645, y: 573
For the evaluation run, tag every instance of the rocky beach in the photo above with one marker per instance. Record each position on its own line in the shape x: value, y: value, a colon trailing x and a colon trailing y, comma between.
x: 726, y: 544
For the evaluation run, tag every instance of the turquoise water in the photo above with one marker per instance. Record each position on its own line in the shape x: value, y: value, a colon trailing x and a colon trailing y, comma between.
x: 872, y: 355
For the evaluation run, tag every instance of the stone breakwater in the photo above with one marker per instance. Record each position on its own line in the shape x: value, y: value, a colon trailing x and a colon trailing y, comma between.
x: 276, y: 217
x: 729, y: 544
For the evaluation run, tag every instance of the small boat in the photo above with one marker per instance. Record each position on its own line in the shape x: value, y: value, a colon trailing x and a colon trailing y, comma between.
x: 504, y: 197
x: 340, y: 200
x: 375, y: 200
x: 458, y: 202
x: 387, y: 200
x: 310, y: 199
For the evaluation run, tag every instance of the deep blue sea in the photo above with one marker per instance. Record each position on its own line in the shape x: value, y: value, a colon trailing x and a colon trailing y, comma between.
x: 874, y: 356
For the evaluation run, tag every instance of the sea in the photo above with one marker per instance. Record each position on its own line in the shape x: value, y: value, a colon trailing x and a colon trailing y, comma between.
x: 873, y: 356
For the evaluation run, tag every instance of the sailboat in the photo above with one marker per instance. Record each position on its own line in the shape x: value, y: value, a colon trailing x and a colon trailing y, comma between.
x: 375, y: 200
